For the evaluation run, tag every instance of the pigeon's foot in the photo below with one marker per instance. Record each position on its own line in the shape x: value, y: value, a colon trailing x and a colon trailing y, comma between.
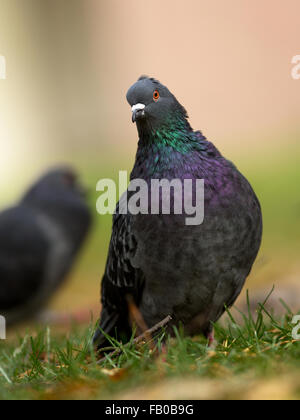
x: 161, y: 354
x: 164, y: 348
x: 164, y: 352
x: 138, y: 320
x: 211, y: 339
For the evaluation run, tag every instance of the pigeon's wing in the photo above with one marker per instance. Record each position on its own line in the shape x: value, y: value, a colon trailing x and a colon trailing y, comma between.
x: 120, y: 279
x: 23, y: 254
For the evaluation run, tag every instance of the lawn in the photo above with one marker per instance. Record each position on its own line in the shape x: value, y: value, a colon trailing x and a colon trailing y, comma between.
x: 253, y: 359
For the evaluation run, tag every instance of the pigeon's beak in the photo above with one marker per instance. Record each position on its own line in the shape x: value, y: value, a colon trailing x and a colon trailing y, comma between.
x: 138, y: 112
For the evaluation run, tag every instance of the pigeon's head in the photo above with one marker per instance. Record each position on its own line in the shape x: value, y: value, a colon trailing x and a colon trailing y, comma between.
x: 59, y: 182
x: 59, y: 187
x: 58, y: 194
x: 153, y: 105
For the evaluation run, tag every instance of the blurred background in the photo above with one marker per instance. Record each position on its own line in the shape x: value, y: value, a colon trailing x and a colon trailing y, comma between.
x: 70, y: 63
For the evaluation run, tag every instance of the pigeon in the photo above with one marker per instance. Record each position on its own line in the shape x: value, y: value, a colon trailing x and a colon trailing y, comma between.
x: 39, y: 240
x: 169, y: 267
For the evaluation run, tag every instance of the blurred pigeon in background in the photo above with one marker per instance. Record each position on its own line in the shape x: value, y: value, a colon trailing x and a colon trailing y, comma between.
x: 39, y: 240
x: 169, y: 267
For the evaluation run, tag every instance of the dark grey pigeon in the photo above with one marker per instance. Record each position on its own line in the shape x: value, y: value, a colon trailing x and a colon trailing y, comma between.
x: 39, y: 240
x: 190, y: 272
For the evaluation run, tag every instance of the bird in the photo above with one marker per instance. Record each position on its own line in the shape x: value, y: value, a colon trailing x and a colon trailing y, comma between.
x: 168, y: 267
x: 39, y: 240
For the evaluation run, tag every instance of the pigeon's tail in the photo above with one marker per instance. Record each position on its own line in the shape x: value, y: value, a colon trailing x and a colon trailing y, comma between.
x: 112, y: 324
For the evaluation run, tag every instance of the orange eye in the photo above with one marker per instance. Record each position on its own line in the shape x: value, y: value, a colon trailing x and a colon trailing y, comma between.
x: 156, y: 95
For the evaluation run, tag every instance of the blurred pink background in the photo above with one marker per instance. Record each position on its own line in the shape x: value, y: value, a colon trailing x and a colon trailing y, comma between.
x: 70, y: 63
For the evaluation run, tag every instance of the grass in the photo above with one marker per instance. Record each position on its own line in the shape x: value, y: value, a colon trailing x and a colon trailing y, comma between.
x: 257, y: 358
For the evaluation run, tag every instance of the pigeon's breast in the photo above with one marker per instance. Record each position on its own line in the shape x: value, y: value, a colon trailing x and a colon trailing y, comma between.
x: 184, y: 265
